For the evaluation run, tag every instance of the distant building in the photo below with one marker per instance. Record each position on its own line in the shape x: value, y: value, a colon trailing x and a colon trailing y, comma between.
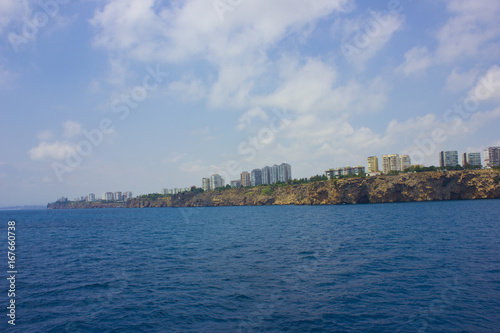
x: 372, y: 164
x: 62, y: 199
x: 118, y: 196
x: 448, y: 158
x: 235, y: 183
x: 127, y: 195
x: 405, y: 162
x: 492, y: 157
x: 256, y: 177
x: 245, y: 179
x: 345, y: 171
x: 391, y: 163
x: 173, y: 191
x: 205, y: 184
x: 91, y: 197
x: 394, y: 162
x: 107, y: 196
x: 284, y: 172
x: 266, y: 175
x: 216, y: 181
x: 471, y: 159
x: 273, y: 174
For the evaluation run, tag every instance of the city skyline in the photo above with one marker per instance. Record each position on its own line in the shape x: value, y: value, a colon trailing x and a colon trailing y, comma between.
x: 143, y: 94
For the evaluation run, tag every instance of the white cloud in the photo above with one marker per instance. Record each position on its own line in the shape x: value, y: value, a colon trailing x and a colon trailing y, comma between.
x: 71, y: 129
x: 146, y: 31
x: 313, y: 88
x: 248, y: 117
x: 197, y: 167
x: 118, y: 72
x: 458, y: 81
x: 188, y: 88
x: 45, y: 135
x: 12, y: 10
x: 7, y: 78
x: 368, y: 35
x: 46, y: 180
x: 417, y: 60
x: 200, y: 131
x: 56, y: 150
x: 94, y: 87
x: 487, y: 86
x: 174, y: 158
x: 473, y: 29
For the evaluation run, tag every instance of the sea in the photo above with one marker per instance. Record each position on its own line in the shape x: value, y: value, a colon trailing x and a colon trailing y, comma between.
x: 399, y: 267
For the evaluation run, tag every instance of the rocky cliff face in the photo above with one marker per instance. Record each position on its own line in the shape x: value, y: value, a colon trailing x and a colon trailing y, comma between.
x: 428, y: 186
x: 85, y: 205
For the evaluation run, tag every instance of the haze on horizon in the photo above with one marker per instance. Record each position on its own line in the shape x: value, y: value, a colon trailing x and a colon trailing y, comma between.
x: 140, y: 95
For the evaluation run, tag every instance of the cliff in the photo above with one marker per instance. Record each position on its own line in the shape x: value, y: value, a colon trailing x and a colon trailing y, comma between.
x: 408, y: 187
x: 85, y: 205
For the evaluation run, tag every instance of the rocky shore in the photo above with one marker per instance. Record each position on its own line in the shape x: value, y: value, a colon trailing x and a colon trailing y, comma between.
x: 407, y: 187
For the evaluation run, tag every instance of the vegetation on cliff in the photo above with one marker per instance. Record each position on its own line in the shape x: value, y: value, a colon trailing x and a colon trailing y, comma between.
x: 85, y: 204
x: 406, y: 187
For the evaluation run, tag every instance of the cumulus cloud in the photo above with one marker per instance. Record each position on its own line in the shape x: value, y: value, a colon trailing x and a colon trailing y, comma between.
x: 488, y: 85
x: 313, y: 87
x: 7, y: 78
x: 145, y: 30
x: 12, y: 10
x: 197, y: 167
x: 472, y: 30
x: 175, y: 157
x: 247, y: 118
x: 367, y: 35
x: 57, y: 150
x: 45, y: 135
x: 416, y: 60
x: 458, y: 81
x: 71, y: 129
x: 189, y: 88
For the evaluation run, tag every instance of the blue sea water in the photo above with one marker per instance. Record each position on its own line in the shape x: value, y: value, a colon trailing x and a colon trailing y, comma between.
x: 405, y: 267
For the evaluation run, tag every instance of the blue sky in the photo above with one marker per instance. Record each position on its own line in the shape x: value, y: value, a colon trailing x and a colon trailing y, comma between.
x: 141, y: 95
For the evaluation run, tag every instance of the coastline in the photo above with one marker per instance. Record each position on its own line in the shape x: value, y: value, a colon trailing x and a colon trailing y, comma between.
x: 406, y: 187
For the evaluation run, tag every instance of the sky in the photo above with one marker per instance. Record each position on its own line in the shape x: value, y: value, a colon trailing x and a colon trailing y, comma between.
x: 141, y: 95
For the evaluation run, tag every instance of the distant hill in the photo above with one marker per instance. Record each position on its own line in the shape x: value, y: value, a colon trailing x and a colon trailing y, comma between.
x: 23, y: 208
x: 406, y: 187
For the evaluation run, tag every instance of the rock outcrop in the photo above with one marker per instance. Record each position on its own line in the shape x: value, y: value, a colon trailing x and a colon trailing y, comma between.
x: 408, y: 187
x: 429, y: 186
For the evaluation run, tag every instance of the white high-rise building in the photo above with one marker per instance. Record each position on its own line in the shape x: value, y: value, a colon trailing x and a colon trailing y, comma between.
x: 471, y: 159
x: 205, y: 184
x: 266, y: 175
x: 391, y: 163
x: 448, y: 158
x: 107, y: 196
x: 372, y: 164
x: 284, y: 172
x: 405, y: 162
x: 91, y: 197
x: 216, y: 181
x: 245, y: 179
x: 256, y: 177
x: 273, y: 174
x: 118, y: 196
x: 492, y: 157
